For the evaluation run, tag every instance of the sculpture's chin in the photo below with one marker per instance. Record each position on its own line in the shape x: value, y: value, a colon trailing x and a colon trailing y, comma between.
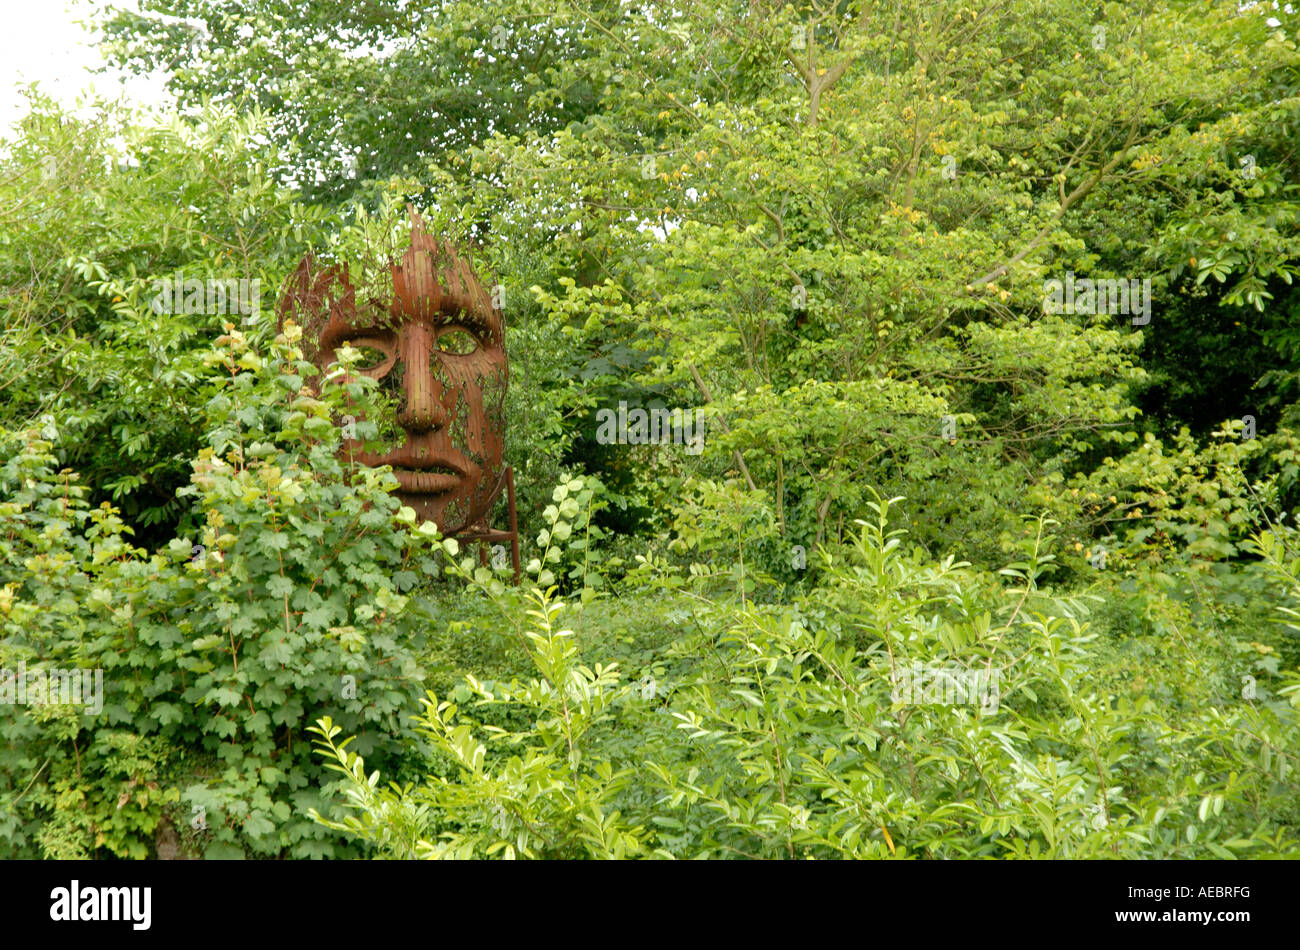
x: 440, y: 508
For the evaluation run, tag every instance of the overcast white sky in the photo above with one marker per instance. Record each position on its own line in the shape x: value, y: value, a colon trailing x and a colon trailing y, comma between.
x: 41, y: 42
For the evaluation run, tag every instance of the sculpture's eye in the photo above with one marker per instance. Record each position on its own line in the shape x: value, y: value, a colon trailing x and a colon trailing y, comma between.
x: 373, y: 357
x: 457, y: 341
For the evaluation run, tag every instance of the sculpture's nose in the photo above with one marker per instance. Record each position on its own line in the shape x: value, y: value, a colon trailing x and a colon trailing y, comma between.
x: 423, y: 409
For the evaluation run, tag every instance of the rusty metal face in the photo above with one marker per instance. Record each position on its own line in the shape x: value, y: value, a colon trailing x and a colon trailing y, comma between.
x: 436, y: 347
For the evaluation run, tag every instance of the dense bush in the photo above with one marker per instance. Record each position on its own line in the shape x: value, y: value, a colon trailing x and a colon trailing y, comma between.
x: 287, y: 605
x: 95, y: 212
x: 791, y: 732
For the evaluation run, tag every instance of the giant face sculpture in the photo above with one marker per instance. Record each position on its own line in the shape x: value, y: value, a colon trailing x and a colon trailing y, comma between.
x: 435, y: 345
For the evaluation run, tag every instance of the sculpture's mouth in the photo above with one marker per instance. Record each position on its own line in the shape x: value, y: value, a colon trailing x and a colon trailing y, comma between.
x: 436, y: 480
x: 429, y: 470
x: 424, y: 469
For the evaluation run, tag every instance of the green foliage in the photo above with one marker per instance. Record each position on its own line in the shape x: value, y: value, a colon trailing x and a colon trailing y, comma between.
x: 555, y: 798
x: 1181, y: 501
x: 96, y: 212
x: 568, y: 539
x: 287, y: 605
x: 793, y: 732
x: 365, y: 92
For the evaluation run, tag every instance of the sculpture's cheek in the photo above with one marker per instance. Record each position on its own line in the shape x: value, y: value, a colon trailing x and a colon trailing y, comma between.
x: 476, y: 410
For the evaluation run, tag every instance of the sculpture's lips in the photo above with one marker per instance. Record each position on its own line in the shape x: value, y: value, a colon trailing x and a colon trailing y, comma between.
x: 423, y: 469
x: 427, y: 481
